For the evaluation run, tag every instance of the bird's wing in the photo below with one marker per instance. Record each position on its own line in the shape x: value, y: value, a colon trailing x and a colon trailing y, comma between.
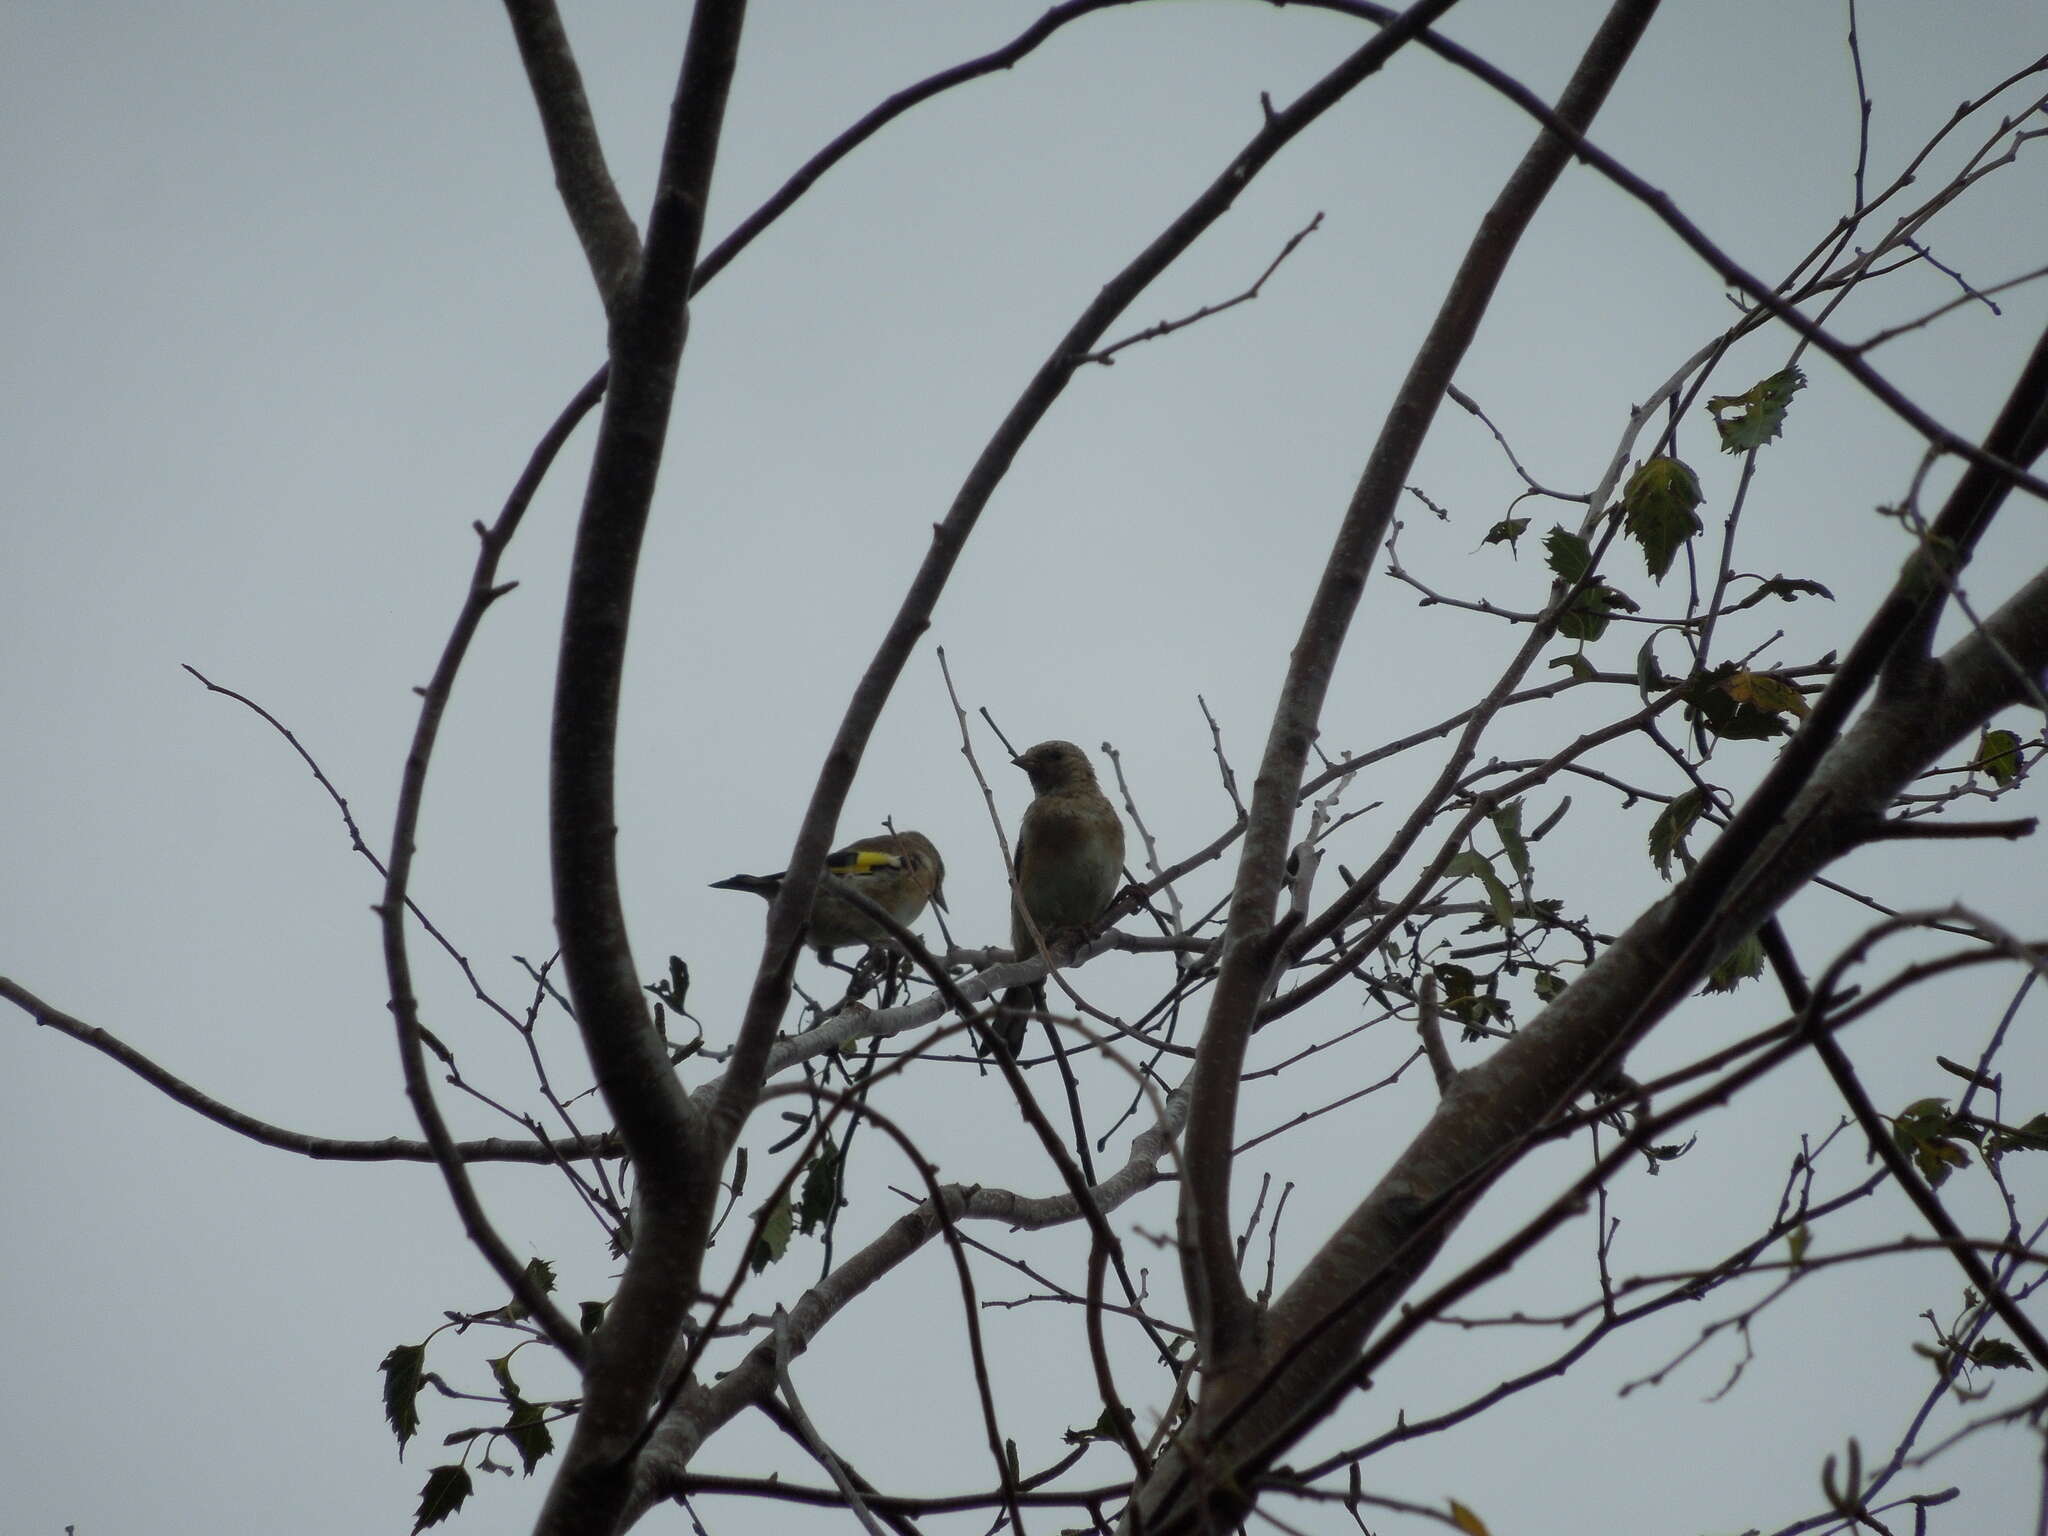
x: 856, y: 860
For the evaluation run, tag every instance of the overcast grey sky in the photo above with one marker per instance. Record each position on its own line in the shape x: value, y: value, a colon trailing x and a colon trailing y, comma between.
x: 289, y: 298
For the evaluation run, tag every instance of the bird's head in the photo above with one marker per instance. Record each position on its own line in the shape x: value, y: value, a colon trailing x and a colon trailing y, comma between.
x: 1055, y: 765
x: 926, y: 864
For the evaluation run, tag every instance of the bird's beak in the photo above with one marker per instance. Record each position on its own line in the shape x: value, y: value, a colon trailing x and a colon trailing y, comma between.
x: 939, y: 901
x: 1016, y: 762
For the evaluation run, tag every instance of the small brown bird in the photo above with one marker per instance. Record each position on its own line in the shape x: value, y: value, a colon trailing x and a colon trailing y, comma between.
x: 1070, y: 858
x: 897, y: 871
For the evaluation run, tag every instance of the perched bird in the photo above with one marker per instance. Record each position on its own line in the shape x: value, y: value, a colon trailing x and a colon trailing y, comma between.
x: 1070, y: 857
x: 897, y: 871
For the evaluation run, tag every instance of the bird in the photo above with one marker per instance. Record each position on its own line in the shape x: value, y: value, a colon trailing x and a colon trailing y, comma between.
x: 1070, y: 858
x: 897, y: 871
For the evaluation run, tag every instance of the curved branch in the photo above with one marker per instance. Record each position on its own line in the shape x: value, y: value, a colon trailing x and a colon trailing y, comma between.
x: 1216, y: 1294
x: 611, y: 243
x: 704, y: 1410
x: 676, y: 1166
x: 770, y: 992
x: 1315, y: 1327
x: 388, y: 1149
x: 1845, y: 354
x: 483, y: 591
x: 879, y: 118
x: 1886, y: 1150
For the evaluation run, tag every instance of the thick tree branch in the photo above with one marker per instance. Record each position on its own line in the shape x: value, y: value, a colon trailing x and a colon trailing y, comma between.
x: 1315, y: 1326
x: 675, y: 1160
x: 611, y: 244
x: 1216, y: 1293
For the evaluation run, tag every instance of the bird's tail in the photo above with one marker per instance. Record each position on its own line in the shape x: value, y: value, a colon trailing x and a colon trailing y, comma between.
x: 763, y: 886
x: 1013, y: 1016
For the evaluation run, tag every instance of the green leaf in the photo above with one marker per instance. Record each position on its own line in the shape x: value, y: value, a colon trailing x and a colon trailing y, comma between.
x: 1938, y: 1158
x: 1921, y: 1117
x: 1757, y: 415
x: 773, y: 1240
x: 1462, y: 998
x: 1921, y: 1131
x: 1586, y: 618
x: 2031, y: 1137
x: 501, y: 1369
x: 1577, y: 665
x: 1566, y: 554
x: 675, y: 989
x: 1455, y: 988
x: 1501, y: 897
x: 1474, y: 863
x: 1657, y: 511
x: 1788, y: 588
x: 1999, y: 1355
x: 405, y: 1372
x: 529, y: 1435
x: 445, y: 1492
x: 1998, y: 755
x: 1650, y: 677
x: 821, y: 1191
x: 1668, y: 832
x: 1668, y: 1152
x: 1470, y: 861
x: 1507, y: 826
x: 591, y: 1318
x: 1745, y: 962
x: 1549, y: 986
x: 447, y: 1489
x: 1104, y: 1428
x: 1712, y: 702
x: 1765, y: 691
x: 1798, y: 1240
x: 1466, y: 1521
x: 1508, y: 531
x: 539, y: 1273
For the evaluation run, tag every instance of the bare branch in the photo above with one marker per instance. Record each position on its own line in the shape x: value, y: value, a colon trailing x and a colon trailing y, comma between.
x: 663, y: 1467
x: 676, y: 1155
x: 611, y: 243
x: 1429, y: 1024
x: 387, y: 1149
x: 1107, y: 355
x: 806, y: 862
x: 1215, y: 1289
x: 483, y: 591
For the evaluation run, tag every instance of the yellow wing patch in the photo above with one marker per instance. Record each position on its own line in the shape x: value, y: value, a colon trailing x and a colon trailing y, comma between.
x: 862, y: 861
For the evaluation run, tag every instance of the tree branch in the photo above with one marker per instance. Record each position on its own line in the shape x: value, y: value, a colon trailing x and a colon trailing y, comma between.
x: 1215, y: 1290
x: 388, y: 1149
x: 806, y: 862
x: 483, y: 591
x: 675, y: 1158
x: 1847, y: 355
x: 611, y: 243
x: 663, y: 1467
x: 1354, y: 1280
